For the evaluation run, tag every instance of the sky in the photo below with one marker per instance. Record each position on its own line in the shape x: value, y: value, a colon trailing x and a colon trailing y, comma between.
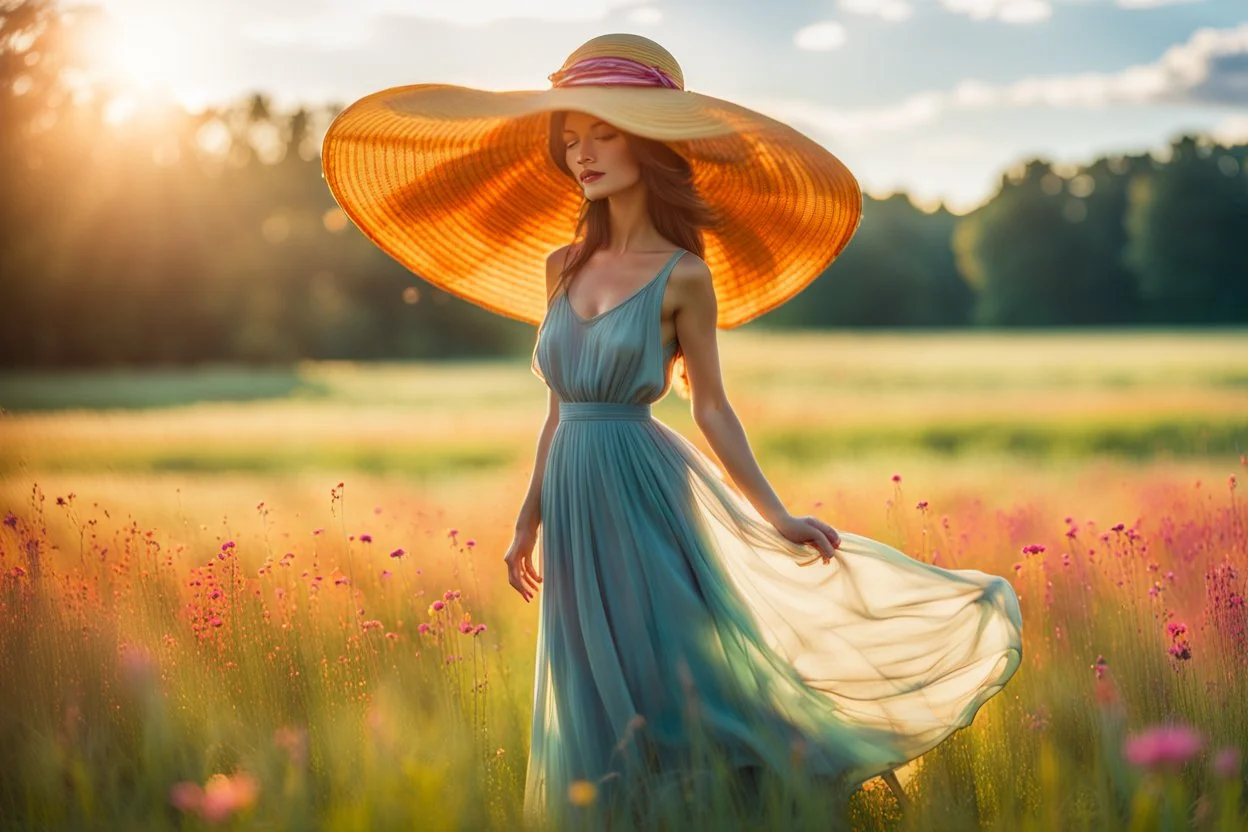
x: 934, y: 97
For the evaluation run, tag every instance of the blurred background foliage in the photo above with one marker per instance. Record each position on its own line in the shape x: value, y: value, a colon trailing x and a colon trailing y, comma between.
x: 133, y: 232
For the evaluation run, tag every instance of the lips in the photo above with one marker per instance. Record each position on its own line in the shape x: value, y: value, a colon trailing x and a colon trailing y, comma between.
x: 591, y: 175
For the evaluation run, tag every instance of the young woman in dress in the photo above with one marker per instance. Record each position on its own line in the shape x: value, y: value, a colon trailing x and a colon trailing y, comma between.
x: 681, y: 605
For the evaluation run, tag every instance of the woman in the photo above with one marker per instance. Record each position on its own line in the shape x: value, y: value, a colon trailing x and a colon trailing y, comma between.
x: 688, y: 622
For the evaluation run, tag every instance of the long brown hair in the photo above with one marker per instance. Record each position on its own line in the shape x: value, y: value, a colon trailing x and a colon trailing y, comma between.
x: 677, y: 210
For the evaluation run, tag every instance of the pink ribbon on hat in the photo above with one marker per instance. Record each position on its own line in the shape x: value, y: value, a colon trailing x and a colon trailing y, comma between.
x: 611, y: 71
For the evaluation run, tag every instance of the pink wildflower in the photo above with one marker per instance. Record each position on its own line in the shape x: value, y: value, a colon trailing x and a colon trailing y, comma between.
x: 1163, y: 746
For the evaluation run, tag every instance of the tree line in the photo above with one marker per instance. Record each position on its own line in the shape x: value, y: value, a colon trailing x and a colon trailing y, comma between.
x: 140, y: 233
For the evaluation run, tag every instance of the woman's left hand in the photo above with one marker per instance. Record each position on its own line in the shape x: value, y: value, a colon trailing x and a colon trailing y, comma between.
x: 812, y: 531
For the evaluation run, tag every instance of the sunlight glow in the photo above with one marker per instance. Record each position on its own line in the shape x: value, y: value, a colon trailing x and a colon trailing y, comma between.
x: 139, y: 53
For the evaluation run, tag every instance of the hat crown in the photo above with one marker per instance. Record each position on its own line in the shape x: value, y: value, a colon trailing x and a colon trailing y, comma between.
x: 629, y: 47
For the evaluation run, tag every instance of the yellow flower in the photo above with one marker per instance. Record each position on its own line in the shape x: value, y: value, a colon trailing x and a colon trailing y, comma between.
x: 582, y: 792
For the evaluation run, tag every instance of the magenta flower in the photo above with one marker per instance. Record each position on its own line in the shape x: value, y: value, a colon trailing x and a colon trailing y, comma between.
x: 10, y: 520
x: 1226, y: 763
x: 366, y: 538
x: 397, y: 553
x: 1163, y: 746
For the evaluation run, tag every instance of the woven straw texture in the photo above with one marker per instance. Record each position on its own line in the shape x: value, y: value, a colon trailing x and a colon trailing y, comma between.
x: 457, y: 185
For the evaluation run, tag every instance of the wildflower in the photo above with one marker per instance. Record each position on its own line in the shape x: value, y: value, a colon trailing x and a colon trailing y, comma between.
x: 1163, y: 746
x: 896, y: 477
x: 227, y: 545
x: 366, y: 538
x: 397, y: 553
x: 1117, y: 528
x: 582, y: 793
x: 478, y: 630
x: 470, y: 542
x: 922, y: 504
x: 1017, y: 566
x: 385, y: 573
x: 450, y: 594
x: 225, y: 795
x: 1180, y: 649
x: 10, y: 520
x: 216, y: 621
x: 371, y: 624
x: 1226, y: 763
x: 423, y: 627
x: 317, y: 531
x: 294, y: 741
x: 465, y: 627
x: 437, y: 606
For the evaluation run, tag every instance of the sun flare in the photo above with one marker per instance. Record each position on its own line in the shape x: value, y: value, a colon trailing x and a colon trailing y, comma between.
x: 136, y: 54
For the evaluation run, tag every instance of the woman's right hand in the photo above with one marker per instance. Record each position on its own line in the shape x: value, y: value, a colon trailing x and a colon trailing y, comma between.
x: 519, y: 559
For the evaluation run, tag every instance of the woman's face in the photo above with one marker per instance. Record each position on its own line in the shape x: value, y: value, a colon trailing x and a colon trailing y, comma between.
x: 591, y: 144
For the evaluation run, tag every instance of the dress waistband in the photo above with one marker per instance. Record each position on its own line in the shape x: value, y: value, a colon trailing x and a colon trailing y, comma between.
x: 579, y: 411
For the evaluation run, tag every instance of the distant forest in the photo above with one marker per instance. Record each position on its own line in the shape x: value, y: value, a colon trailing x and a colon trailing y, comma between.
x: 150, y: 235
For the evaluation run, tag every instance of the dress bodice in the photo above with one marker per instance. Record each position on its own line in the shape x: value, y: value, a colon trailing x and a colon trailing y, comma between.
x: 615, y: 356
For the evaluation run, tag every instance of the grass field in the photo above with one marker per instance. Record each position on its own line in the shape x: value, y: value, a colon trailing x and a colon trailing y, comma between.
x: 202, y: 623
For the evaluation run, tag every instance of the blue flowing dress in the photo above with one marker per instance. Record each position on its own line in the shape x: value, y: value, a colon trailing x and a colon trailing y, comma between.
x: 672, y: 611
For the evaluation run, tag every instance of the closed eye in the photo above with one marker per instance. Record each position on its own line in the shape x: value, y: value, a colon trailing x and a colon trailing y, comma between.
x: 600, y: 138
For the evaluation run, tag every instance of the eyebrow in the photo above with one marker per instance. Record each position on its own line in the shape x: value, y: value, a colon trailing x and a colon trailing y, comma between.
x: 591, y: 127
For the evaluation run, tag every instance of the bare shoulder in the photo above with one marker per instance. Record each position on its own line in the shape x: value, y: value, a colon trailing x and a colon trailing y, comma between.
x: 691, y: 278
x: 554, y: 265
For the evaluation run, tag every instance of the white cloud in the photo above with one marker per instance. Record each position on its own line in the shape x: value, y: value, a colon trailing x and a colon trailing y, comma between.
x: 893, y: 11
x: 1212, y: 66
x: 1233, y: 130
x: 480, y: 12
x: 1152, y: 4
x: 820, y: 37
x: 645, y: 16
x: 1007, y: 11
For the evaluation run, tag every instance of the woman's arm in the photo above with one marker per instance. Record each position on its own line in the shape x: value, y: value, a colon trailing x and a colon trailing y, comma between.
x: 696, y: 316
x: 531, y: 509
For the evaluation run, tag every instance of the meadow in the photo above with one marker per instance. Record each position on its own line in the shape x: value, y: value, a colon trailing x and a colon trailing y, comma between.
x: 275, y: 598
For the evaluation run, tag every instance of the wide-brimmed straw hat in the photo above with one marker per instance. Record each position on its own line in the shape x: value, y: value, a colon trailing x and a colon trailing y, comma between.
x: 460, y: 186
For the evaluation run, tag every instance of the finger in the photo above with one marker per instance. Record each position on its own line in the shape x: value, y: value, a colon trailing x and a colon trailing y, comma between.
x: 528, y: 565
x: 833, y: 536
x: 518, y: 586
x: 825, y: 547
x: 528, y: 579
